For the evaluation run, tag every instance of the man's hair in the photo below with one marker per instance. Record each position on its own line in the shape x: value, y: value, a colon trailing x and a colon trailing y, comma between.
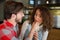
x: 12, y: 7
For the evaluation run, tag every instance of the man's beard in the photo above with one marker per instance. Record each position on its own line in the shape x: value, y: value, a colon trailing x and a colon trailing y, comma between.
x: 18, y: 21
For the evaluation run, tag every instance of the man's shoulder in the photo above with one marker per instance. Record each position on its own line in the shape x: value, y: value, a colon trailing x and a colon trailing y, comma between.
x: 2, y: 26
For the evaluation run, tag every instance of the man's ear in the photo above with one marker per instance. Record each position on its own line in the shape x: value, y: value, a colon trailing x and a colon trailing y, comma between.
x: 13, y: 16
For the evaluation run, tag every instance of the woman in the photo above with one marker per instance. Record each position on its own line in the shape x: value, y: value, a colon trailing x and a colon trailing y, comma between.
x: 37, y: 28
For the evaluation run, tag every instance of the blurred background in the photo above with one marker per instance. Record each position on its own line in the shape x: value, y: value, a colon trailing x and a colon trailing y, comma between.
x: 53, y: 5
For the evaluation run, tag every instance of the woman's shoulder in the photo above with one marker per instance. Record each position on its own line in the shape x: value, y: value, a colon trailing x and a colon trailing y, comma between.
x: 26, y: 22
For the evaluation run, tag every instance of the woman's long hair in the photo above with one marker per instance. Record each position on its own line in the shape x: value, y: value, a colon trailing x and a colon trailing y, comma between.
x: 46, y: 17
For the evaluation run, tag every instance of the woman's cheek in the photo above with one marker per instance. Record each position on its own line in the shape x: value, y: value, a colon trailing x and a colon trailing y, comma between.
x: 37, y: 19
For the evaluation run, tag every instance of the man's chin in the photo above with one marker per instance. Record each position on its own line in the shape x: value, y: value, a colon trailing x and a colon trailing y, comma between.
x: 20, y: 21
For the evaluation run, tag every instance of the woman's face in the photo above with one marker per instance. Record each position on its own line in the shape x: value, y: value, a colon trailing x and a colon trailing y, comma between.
x: 37, y: 16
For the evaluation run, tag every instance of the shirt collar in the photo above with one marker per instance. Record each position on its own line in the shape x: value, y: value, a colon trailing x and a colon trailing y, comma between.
x: 8, y: 24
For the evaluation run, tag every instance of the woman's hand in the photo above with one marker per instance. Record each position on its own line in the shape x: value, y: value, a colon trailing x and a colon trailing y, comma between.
x: 35, y: 36
x: 35, y: 26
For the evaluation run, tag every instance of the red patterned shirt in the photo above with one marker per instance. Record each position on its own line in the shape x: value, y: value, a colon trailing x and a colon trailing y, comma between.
x: 7, y: 32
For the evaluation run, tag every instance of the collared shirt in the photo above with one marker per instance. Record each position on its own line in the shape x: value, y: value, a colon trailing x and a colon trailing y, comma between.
x: 7, y: 31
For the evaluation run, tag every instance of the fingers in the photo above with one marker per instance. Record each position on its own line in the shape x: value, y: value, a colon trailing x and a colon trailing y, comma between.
x: 35, y: 36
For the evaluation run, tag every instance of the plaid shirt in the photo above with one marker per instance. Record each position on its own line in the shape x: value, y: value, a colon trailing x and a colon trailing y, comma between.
x: 7, y: 32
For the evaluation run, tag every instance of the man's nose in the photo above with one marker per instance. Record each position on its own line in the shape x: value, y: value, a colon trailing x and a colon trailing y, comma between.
x: 23, y: 15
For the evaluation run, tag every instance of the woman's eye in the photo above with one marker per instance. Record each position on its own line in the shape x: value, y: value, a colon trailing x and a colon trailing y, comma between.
x: 40, y: 16
x: 35, y: 15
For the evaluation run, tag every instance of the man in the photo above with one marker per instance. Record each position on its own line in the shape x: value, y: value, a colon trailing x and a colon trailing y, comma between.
x: 13, y: 13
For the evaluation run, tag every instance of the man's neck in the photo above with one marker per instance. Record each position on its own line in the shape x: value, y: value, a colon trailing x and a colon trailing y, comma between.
x: 12, y: 21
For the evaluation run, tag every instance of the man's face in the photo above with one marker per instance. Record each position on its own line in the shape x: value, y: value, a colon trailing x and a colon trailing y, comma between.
x: 19, y: 16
